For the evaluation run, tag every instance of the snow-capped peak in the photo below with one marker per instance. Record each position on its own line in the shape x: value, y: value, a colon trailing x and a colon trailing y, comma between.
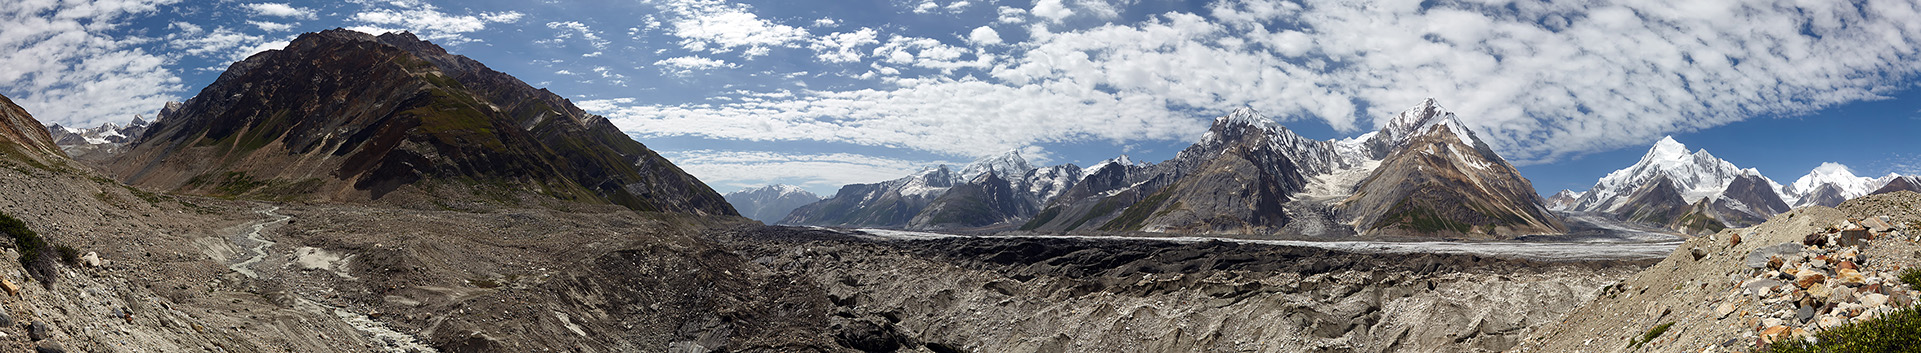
x: 1696, y: 175
x: 1121, y: 161
x: 1840, y: 176
x: 1422, y: 118
x: 1006, y: 165
x: 1245, y: 115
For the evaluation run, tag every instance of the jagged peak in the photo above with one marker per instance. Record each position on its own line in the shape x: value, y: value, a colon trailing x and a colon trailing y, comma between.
x: 1007, y: 163
x: 1423, y: 117
x: 1667, y: 149
x: 1244, y: 115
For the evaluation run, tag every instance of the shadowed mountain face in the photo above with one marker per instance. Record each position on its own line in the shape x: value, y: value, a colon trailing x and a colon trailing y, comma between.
x: 770, y: 203
x: 342, y: 115
x: 23, y: 137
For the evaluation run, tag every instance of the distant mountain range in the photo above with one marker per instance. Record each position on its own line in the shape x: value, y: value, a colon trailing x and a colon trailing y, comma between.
x: 768, y: 204
x: 1695, y: 192
x: 1424, y: 174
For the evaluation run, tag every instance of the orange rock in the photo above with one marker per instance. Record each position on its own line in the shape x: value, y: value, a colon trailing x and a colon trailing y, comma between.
x: 1775, y: 334
x: 1734, y: 240
x: 1849, y: 265
x: 1850, y: 277
x: 1809, y: 278
x: 12, y: 289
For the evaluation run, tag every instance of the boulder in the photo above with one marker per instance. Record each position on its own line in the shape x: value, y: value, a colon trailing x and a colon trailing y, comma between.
x: 1850, y: 277
x: 37, y: 330
x: 91, y: 259
x: 12, y: 289
x: 1775, y: 333
x: 1830, y: 321
x: 49, y: 347
x: 1877, y: 224
x: 1697, y: 253
x: 1734, y: 240
x: 1855, y: 237
x: 1874, y: 300
x: 1807, y: 279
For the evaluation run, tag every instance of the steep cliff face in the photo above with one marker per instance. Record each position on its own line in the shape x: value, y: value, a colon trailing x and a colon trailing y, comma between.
x: 889, y: 203
x: 343, y: 115
x: 21, y: 136
x: 988, y: 199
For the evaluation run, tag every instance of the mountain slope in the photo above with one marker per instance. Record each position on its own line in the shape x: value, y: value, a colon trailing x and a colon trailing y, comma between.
x: 23, y: 137
x: 1442, y: 180
x: 769, y: 204
x: 1695, y: 175
x: 343, y: 115
x: 1562, y: 200
x: 1900, y: 183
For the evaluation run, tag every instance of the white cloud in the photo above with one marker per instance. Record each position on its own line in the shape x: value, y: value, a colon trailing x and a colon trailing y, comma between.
x: 59, y: 62
x: 932, y: 54
x: 826, y: 22
x: 843, y: 47
x: 957, y: 6
x: 984, y: 36
x: 717, y: 27
x: 280, y: 10
x: 428, y: 22
x: 1012, y: 15
x: 270, y: 26
x: 684, y: 65
x: 571, y: 28
x: 1542, y: 81
x: 926, y: 6
x: 824, y: 172
x: 1051, y: 9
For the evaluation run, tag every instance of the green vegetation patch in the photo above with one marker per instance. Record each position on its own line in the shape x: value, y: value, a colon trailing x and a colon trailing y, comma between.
x: 1898, y: 331
x: 1420, y: 219
x: 33, y: 248
x: 238, y: 184
x: 1649, y: 336
x: 1041, y: 219
x: 1912, y: 276
x: 1132, y: 218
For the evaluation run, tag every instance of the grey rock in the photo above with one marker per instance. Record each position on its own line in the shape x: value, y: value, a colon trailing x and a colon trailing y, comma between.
x: 37, y: 330
x: 1802, y: 314
x: 1759, y: 257
x: 1697, y: 253
x: 49, y: 347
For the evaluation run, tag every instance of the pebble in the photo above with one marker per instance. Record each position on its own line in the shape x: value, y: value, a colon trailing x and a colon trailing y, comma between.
x: 37, y: 331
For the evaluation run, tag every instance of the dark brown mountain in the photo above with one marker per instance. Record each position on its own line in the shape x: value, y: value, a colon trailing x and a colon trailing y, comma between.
x: 22, y: 136
x: 1440, y: 180
x: 1905, y: 182
x: 343, y: 115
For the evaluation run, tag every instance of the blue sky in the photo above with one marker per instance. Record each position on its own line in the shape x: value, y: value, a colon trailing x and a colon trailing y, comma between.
x: 824, y: 93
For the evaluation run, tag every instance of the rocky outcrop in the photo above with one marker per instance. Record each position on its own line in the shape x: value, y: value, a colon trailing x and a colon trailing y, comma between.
x: 341, y: 115
x: 1800, y: 272
x: 23, y: 137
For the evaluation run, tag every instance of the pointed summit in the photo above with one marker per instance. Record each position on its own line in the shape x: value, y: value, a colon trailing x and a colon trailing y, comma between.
x: 1244, y: 115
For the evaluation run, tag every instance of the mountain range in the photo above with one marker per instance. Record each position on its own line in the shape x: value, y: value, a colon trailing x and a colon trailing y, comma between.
x: 1423, y: 174
x: 1695, y: 192
x: 768, y: 204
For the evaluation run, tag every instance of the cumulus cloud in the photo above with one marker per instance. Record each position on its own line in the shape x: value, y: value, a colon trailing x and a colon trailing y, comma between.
x: 1051, y: 9
x: 984, y: 36
x: 427, y: 21
x: 58, y: 61
x: 821, y: 172
x: 280, y: 10
x: 719, y: 27
x: 843, y: 47
x: 571, y: 28
x: 684, y: 65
